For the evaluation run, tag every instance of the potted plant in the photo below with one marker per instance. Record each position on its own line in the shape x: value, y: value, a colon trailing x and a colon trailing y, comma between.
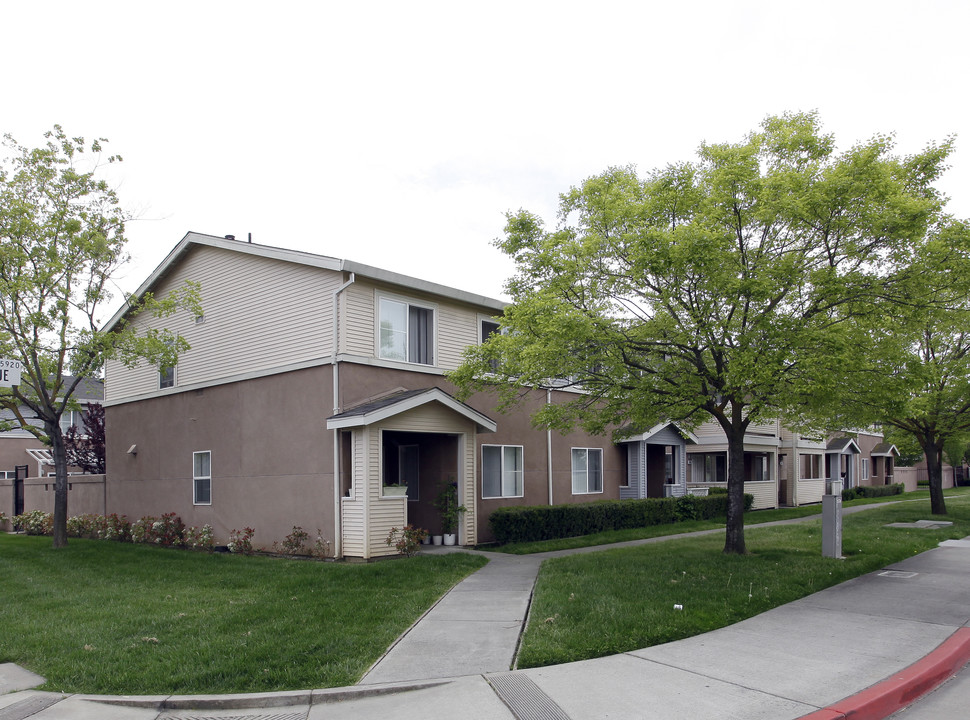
x: 447, y: 506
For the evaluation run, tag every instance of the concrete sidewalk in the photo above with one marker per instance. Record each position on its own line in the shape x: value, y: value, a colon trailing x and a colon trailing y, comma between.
x: 816, y: 655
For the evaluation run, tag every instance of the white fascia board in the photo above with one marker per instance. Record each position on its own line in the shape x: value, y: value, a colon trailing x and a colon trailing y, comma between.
x: 889, y: 453
x: 484, y: 423
x: 426, y: 286
x: 685, y: 434
x: 302, y: 258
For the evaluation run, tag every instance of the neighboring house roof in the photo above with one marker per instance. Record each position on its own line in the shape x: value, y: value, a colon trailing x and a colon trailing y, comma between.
x: 193, y: 239
x: 844, y: 445
x: 646, y: 436
x: 884, y: 450
x: 89, y: 390
x: 396, y: 403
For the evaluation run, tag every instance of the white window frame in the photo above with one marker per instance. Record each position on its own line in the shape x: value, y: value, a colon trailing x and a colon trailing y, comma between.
x: 818, y: 473
x: 433, y: 329
x: 518, y: 479
x: 865, y: 468
x: 197, y: 477
x: 579, y: 465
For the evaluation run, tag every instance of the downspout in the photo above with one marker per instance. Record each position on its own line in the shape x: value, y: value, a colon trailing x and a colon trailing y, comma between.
x: 549, y: 448
x: 335, y: 372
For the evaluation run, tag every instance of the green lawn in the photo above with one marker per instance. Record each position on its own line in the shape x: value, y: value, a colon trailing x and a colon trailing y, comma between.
x: 597, y: 604
x: 115, y: 618
x: 753, y: 517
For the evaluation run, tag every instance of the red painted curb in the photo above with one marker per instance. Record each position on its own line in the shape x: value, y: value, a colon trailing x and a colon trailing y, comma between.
x: 902, y: 689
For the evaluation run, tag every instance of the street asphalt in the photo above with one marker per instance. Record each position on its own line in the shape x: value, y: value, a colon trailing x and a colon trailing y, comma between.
x: 864, y: 649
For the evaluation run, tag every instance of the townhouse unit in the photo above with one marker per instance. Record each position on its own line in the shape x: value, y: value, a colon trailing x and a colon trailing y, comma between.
x: 314, y: 391
x: 786, y: 468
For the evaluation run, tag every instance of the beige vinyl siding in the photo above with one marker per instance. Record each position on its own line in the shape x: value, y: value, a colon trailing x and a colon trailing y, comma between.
x: 352, y: 508
x: 810, y: 491
x: 358, y: 321
x: 456, y: 324
x: 286, y: 306
x: 383, y: 513
x: 765, y: 494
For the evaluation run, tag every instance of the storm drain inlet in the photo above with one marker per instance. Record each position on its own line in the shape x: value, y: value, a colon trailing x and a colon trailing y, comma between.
x: 524, y: 698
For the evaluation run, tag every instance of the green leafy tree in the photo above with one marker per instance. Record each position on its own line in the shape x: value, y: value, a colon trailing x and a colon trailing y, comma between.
x: 62, y: 235
x: 713, y: 290
x: 917, y: 378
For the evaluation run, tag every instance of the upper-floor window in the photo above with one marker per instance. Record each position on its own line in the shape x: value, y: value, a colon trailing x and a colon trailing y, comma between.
x: 73, y: 418
x: 166, y: 376
x: 489, y: 328
x: 501, y: 471
x: 587, y: 470
x: 406, y: 332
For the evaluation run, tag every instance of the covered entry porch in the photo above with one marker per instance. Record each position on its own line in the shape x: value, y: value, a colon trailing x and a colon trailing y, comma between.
x: 396, y: 453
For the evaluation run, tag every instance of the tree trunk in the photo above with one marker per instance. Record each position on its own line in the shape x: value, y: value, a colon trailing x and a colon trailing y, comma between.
x: 734, y: 532
x: 933, y: 449
x: 60, y: 484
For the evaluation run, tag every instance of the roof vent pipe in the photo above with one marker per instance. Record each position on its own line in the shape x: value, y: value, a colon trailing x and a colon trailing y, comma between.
x: 250, y: 237
x: 230, y: 237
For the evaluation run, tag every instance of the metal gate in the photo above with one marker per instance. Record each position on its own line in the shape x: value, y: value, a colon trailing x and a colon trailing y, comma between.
x: 20, y: 474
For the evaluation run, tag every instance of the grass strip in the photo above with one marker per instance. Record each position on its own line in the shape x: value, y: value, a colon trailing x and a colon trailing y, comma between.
x: 114, y: 618
x: 753, y: 517
x: 597, y: 604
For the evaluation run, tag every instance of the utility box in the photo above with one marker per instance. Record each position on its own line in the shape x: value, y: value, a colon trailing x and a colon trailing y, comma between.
x: 832, y: 522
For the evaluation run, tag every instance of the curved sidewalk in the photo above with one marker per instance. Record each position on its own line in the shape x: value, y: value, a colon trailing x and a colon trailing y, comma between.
x: 861, y: 649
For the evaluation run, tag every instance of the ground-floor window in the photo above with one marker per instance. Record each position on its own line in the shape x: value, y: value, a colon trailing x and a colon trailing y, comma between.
x: 811, y: 467
x: 202, y: 477
x: 587, y: 470
x: 708, y: 467
x: 501, y: 471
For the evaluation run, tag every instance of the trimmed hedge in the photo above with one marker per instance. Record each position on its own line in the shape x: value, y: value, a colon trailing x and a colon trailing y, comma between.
x: 529, y: 523
x: 864, y: 491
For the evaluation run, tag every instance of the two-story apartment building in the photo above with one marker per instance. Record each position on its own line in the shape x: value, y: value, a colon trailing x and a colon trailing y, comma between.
x: 314, y: 389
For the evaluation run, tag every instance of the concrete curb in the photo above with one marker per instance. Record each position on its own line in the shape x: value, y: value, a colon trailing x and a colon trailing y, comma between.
x: 904, y: 688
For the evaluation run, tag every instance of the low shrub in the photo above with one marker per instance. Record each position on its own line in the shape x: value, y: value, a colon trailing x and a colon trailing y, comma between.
x: 864, y: 491
x: 294, y: 543
x: 167, y: 531
x: 527, y: 523
x: 35, y: 522
x: 241, y: 541
x: 199, y: 538
x: 407, y: 541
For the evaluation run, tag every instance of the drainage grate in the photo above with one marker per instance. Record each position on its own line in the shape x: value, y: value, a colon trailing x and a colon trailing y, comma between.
x: 524, y: 698
x: 31, y: 706
x: 898, y: 574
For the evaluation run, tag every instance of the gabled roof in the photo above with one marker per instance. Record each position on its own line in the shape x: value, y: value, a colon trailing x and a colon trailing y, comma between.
x: 645, y: 437
x: 400, y: 402
x: 885, y: 450
x: 844, y: 445
x: 194, y: 239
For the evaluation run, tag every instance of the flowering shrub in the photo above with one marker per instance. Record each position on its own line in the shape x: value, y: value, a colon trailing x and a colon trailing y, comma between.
x: 200, y: 538
x: 166, y: 531
x: 321, y: 547
x: 86, y: 526
x: 35, y: 522
x: 409, y: 541
x: 294, y: 543
x: 3, y: 518
x: 241, y: 541
x: 115, y: 528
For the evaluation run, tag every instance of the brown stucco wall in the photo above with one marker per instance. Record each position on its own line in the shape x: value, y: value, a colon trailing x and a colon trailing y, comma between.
x: 271, y: 460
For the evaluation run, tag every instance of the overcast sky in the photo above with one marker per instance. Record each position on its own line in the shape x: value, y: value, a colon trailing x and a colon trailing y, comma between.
x: 399, y: 133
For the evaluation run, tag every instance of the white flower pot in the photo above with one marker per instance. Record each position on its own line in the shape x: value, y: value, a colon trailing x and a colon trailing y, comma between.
x: 426, y: 540
x: 450, y: 539
x: 436, y: 539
